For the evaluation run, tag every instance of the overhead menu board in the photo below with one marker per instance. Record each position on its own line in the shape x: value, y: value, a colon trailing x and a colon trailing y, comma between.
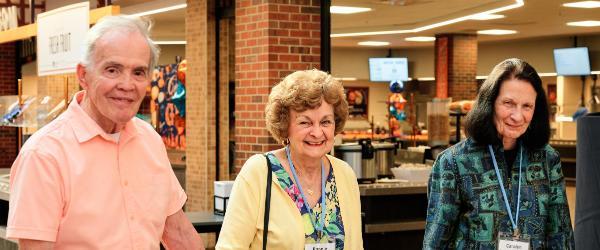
x: 61, y: 35
x: 388, y: 69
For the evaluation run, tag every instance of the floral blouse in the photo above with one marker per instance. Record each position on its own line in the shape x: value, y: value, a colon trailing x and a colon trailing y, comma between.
x: 334, y: 227
x: 466, y: 209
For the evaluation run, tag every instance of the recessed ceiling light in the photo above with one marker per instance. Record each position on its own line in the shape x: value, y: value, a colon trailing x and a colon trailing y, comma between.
x: 496, y: 32
x: 583, y: 4
x: 347, y: 9
x: 373, y: 43
x: 346, y: 78
x: 516, y: 4
x: 420, y: 39
x: 486, y: 16
x: 169, y: 42
x: 585, y: 23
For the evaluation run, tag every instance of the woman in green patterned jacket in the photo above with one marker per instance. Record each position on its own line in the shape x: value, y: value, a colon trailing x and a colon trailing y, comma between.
x: 503, y: 186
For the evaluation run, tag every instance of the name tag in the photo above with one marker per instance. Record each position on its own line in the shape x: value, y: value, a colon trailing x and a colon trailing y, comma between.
x: 320, y: 246
x: 504, y: 244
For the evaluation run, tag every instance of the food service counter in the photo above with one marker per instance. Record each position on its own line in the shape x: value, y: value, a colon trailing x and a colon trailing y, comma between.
x: 393, y: 214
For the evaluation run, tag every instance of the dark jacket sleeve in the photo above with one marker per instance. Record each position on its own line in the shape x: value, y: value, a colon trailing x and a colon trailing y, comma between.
x: 559, y: 234
x: 444, y: 203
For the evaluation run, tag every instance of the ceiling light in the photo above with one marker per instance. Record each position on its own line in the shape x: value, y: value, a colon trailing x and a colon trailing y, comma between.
x: 346, y: 78
x: 169, y: 42
x: 373, y: 43
x: 482, y: 17
x: 160, y: 10
x: 585, y: 23
x: 496, y: 32
x: 583, y: 4
x: 562, y: 118
x: 347, y: 9
x: 516, y: 4
x: 420, y: 39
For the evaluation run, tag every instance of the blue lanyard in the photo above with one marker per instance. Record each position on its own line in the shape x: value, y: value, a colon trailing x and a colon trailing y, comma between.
x: 323, y: 204
x: 516, y: 220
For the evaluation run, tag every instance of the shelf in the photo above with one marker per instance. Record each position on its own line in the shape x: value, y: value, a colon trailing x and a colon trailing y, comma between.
x: 380, y: 189
x: 30, y: 30
x: 395, y: 227
x: 568, y: 160
x: 32, y: 113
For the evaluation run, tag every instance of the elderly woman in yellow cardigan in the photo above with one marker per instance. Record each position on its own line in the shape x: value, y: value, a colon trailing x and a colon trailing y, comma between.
x: 314, y: 201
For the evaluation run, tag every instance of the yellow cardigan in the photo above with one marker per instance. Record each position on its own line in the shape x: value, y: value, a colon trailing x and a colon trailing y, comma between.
x: 243, y: 223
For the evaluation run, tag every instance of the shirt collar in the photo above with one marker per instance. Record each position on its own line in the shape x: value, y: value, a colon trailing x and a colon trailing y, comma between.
x: 85, y: 128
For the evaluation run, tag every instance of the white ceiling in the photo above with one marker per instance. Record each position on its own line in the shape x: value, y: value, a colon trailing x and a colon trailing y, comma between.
x: 536, y: 18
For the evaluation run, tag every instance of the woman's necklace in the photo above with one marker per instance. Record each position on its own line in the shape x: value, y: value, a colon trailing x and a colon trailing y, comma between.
x: 309, y: 188
x: 310, y: 191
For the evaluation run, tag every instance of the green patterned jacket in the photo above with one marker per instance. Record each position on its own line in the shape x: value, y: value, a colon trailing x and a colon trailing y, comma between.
x: 466, y: 209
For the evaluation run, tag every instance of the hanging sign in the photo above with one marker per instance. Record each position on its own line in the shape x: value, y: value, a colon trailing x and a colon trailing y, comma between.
x: 61, y: 35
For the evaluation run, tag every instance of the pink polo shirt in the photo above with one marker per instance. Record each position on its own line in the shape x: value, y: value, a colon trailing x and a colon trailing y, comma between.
x: 74, y: 185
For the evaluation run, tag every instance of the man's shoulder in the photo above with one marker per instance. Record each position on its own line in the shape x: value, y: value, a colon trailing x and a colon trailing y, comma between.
x: 56, y: 132
x: 144, y: 127
x: 141, y: 124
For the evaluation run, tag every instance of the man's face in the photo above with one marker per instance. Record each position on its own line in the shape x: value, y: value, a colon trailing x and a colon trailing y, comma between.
x: 116, y: 79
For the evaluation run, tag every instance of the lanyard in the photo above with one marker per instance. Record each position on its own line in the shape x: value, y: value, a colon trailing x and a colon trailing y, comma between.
x: 323, y: 204
x: 516, y: 220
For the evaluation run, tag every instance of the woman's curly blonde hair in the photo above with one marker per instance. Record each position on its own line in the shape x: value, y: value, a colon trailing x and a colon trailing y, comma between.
x: 301, y: 91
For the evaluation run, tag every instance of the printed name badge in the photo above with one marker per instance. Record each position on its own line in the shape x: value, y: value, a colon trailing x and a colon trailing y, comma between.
x: 320, y: 246
x: 506, y: 241
x: 513, y: 245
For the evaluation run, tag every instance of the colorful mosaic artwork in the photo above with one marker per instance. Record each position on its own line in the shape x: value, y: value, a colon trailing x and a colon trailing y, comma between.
x: 167, y: 105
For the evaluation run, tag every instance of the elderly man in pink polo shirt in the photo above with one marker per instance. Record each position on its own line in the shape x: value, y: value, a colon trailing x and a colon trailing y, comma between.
x: 96, y: 177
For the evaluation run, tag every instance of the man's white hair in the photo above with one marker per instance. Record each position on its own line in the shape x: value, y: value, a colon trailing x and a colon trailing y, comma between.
x: 124, y: 23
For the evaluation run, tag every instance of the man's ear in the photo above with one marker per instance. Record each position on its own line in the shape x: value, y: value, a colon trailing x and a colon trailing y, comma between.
x: 81, y: 73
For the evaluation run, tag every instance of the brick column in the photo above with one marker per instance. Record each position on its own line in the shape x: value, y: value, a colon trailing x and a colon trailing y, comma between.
x: 456, y: 66
x: 273, y: 39
x: 200, y: 104
x: 8, y: 86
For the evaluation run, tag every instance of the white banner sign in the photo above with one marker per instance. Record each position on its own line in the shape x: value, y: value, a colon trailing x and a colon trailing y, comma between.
x: 61, y: 35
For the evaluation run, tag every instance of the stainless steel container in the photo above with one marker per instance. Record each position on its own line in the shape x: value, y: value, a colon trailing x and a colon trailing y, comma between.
x: 384, y: 158
x: 369, y: 166
x: 351, y: 154
x: 360, y: 156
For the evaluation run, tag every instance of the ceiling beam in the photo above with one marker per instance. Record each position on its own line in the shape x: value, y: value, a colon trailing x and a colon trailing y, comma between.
x: 30, y: 30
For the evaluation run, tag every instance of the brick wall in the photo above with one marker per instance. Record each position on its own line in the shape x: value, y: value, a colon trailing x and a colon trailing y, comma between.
x: 8, y: 86
x: 200, y: 103
x: 226, y: 48
x: 456, y: 66
x: 443, y: 43
x: 54, y: 85
x: 462, y: 83
x: 273, y: 39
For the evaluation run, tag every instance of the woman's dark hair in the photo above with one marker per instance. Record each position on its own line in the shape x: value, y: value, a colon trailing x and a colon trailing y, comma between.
x: 479, y: 124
